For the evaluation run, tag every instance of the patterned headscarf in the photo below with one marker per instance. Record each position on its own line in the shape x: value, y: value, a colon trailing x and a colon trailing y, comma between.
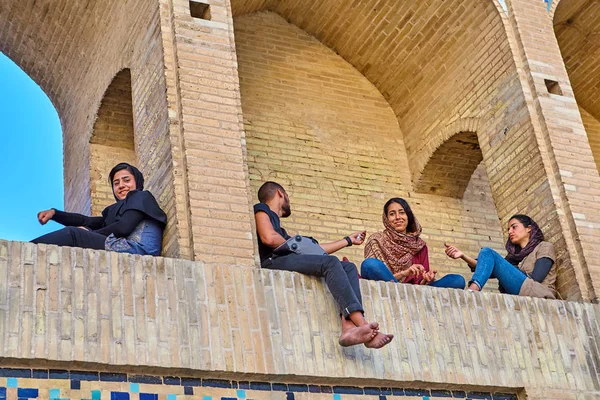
x: 395, y: 249
x: 516, y: 254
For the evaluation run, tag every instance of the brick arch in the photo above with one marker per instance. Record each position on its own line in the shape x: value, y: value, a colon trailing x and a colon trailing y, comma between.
x: 406, y: 53
x: 112, y: 140
x: 438, y: 139
x: 577, y: 28
x: 451, y: 166
x: 73, y: 50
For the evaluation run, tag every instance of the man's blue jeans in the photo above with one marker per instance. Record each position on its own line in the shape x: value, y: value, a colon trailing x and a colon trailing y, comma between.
x: 376, y: 270
x: 490, y: 264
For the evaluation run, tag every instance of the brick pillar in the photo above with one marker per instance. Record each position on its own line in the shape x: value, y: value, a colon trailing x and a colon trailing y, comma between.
x: 207, y: 136
x: 561, y: 137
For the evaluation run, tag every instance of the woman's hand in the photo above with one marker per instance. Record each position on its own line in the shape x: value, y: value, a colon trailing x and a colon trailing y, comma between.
x: 358, y: 237
x: 413, y: 270
x: 453, y: 252
x: 45, y: 216
x: 428, y: 277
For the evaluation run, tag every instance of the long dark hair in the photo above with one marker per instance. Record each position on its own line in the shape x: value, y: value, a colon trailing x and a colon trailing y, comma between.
x: 524, y: 219
x: 410, y: 227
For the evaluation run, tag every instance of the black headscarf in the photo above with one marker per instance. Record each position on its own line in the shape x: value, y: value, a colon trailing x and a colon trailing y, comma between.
x: 139, y: 199
x: 516, y: 254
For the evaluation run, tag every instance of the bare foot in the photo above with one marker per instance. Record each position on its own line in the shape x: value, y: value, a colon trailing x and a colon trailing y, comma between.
x: 380, y: 340
x: 359, y: 334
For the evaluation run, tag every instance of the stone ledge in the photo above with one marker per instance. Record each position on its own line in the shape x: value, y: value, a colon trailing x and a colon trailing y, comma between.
x: 100, y: 308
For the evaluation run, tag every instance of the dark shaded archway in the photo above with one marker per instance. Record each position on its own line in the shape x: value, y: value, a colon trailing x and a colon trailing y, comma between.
x: 112, y: 140
x: 451, y: 166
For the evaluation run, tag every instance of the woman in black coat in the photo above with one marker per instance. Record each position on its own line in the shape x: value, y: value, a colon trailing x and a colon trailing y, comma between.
x: 134, y: 224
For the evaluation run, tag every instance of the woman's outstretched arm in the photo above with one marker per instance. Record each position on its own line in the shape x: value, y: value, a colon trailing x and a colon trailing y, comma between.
x: 455, y: 253
x: 70, y: 219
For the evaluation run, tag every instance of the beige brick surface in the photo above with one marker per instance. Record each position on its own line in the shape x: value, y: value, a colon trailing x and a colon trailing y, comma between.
x: 289, y: 325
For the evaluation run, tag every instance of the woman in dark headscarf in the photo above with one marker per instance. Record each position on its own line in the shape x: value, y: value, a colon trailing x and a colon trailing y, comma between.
x: 527, y: 270
x: 399, y: 254
x: 134, y: 224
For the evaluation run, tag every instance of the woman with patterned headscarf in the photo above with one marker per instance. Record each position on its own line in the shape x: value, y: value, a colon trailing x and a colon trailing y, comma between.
x: 398, y: 254
x: 528, y: 269
x: 134, y: 224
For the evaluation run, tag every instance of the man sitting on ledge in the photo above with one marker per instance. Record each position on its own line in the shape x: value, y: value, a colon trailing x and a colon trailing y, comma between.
x: 341, y: 277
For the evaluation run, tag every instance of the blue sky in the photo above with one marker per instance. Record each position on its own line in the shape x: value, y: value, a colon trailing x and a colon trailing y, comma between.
x: 30, y: 155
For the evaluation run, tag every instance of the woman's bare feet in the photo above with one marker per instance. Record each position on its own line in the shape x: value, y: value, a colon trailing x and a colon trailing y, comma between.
x: 380, y: 340
x: 359, y: 334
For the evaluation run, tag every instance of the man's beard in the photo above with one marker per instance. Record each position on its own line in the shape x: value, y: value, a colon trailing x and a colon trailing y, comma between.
x: 286, y: 211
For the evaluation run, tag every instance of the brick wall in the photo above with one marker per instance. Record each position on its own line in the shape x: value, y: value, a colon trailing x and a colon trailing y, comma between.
x: 160, y: 316
x: 317, y: 126
x: 592, y: 128
x: 566, y: 154
x: 152, y: 131
x: 208, y: 138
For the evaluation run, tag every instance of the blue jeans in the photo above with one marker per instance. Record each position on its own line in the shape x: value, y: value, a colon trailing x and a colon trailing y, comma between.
x: 490, y: 264
x: 376, y: 270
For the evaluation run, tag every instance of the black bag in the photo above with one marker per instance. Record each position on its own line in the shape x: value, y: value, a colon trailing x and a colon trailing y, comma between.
x: 299, y: 245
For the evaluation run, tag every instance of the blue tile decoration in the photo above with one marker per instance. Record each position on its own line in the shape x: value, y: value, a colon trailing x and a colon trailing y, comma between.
x: 479, y: 395
x: 28, y: 393
x: 244, y: 385
x: 348, y: 390
x: 154, y: 380
x: 372, y: 391
x: 416, y: 392
x: 217, y: 383
x: 503, y: 396
x: 15, y: 372
x: 191, y: 382
x: 119, y: 396
x: 84, y: 376
x: 59, y: 374
x: 297, y: 388
x: 12, y: 376
x: 39, y: 373
x: 326, y: 389
x: 260, y: 386
x: 112, y: 377
x: 172, y: 380
x: 280, y: 387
